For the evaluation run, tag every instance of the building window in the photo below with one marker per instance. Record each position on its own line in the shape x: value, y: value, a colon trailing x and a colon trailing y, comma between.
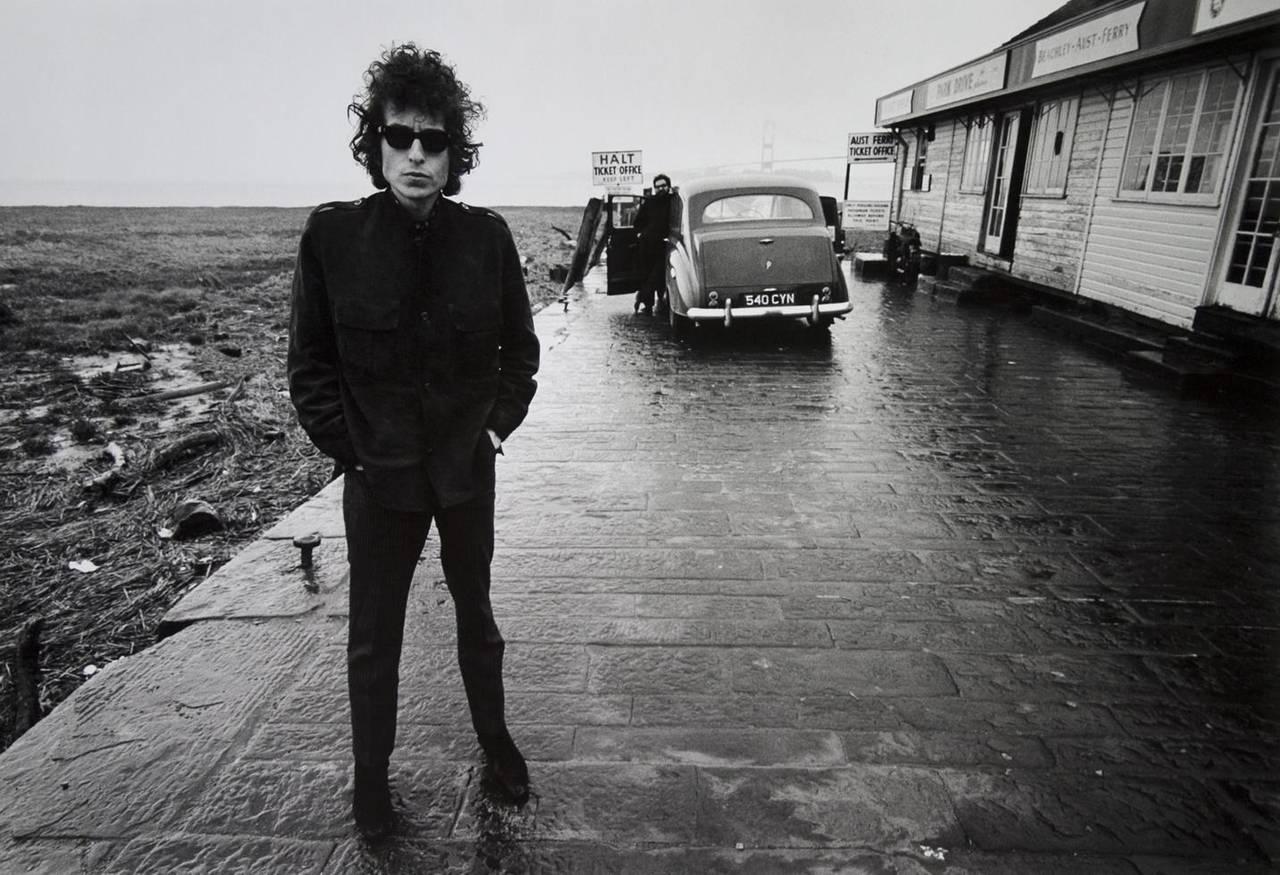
x: 1049, y: 152
x: 919, y: 180
x: 977, y: 156
x: 1178, y: 141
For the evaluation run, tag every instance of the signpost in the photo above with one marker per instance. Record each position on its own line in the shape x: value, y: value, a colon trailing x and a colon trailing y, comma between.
x: 873, y: 147
x: 616, y: 169
x: 862, y: 148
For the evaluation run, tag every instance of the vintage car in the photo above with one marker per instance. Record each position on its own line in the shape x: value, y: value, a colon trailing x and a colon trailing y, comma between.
x: 751, y: 247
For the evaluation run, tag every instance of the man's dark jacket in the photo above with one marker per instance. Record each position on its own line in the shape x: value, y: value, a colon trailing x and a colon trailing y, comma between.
x: 653, y: 219
x: 407, y: 340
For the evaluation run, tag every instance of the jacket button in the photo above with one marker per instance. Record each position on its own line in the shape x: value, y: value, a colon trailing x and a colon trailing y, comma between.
x: 424, y: 316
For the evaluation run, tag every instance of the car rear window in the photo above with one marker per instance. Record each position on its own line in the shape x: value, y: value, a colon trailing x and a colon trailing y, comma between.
x: 749, y: 207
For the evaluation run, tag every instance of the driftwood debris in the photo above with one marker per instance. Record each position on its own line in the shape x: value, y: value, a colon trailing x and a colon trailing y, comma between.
x: 171, y: 394
x: 26, y: 677
x: 238, y: 392
x: 566, y: 234
x: 105, y: 481
x: 170, y: 452
x: 193, y: 518
x: 142, y: 347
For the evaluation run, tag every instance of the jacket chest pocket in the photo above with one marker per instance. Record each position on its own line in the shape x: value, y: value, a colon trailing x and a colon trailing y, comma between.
x: 366, y: 332
x: 475, y: 341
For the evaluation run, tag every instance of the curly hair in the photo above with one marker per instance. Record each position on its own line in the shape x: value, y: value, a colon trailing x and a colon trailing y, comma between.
x: 406, y: 77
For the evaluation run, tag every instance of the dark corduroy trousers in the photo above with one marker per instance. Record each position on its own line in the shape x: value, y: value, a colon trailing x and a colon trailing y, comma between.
x: 383, y: 547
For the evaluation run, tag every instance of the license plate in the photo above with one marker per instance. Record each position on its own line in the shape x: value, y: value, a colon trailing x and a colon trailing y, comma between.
x: 768, y: 299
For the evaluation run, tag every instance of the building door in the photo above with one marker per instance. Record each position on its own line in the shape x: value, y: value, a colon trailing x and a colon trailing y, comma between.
x: 1248, y: 278
x: 1007, y: 154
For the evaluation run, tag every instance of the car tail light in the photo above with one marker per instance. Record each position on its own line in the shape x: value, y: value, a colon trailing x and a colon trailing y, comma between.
x: 713, y: 298
x: 826, y: 294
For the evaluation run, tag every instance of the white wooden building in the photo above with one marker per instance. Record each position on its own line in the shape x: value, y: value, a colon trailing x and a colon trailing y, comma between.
x: 1126, y: 152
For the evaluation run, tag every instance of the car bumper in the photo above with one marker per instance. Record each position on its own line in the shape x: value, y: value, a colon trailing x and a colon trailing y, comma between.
x: 728, y: 315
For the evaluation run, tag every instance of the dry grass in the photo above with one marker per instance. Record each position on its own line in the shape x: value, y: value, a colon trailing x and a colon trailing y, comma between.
x: 82, y: 280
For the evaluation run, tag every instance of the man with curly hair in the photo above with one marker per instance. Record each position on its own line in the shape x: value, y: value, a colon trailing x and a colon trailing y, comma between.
x: 411, y: 360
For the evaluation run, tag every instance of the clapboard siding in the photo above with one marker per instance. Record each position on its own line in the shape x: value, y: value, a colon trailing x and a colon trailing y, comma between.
x: 964, y: 221
x: 925, y: 209
x: 1051, y: 231
x: 964, y: 210
x: 1149, y: 258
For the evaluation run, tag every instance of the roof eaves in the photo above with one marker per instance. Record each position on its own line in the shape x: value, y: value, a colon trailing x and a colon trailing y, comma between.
x: 1068, y: 11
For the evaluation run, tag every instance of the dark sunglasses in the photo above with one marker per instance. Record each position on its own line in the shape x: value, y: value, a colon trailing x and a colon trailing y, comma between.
x: 401, y: 137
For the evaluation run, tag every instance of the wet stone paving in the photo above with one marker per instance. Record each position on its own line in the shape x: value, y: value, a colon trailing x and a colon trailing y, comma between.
x: 938, y: 592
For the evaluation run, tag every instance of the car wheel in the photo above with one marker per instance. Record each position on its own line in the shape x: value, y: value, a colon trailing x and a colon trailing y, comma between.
x: 679, y: 324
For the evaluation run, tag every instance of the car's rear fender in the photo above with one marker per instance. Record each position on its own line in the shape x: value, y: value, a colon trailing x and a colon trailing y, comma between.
x: 684, y: 285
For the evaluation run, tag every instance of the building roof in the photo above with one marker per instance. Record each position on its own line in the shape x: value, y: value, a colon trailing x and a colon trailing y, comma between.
x: 1064, y: 13
x: 1067, y: 45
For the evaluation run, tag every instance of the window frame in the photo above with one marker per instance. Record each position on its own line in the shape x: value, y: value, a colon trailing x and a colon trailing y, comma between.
x: 920, y: 163
x: 977, y: 164
x: 1152, y: 152
x: 777, y: 197
x: 1048, y: 155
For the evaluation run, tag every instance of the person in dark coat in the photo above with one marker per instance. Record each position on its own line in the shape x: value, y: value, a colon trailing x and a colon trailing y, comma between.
x: 411, y: 361
x: 653, y: 221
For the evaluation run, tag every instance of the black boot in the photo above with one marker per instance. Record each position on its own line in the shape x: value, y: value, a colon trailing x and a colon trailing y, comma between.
x: 506, y: 768
x: 371, y: 805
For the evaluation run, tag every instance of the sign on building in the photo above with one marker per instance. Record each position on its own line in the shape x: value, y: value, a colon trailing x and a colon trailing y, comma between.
x: 865, y: 215
x: 1103, y: 37
x: 893, y: 106
x: 873, y: 147
x: 1216, y: 13
x: 616, y: 168
x: 969, y: 81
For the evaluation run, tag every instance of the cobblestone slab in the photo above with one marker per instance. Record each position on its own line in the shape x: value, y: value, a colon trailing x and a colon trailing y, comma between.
x: 131, y: 743
x: 628, y: 804
x: 657, y: 670
x: 51, y: 857
x: 709, y: 747
x: 1057, y: 677
x: 499, y: 853
x: 867, y: 806
x: 1096, y: 814
x: 312, y: 800
x: 451, y: 742
x: 234, y: 855
x: 1218, y: 758
x: 668, y: 709
x: 322, y: 513
x: 689, y: 633
x: 1009, y: 716
x: 704, y: 563
x: 959, y: 749
x: 266, y: 580
x: 842, y: 672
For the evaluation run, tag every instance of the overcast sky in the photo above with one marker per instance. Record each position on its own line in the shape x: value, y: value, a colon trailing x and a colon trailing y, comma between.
x: 184, y: 102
